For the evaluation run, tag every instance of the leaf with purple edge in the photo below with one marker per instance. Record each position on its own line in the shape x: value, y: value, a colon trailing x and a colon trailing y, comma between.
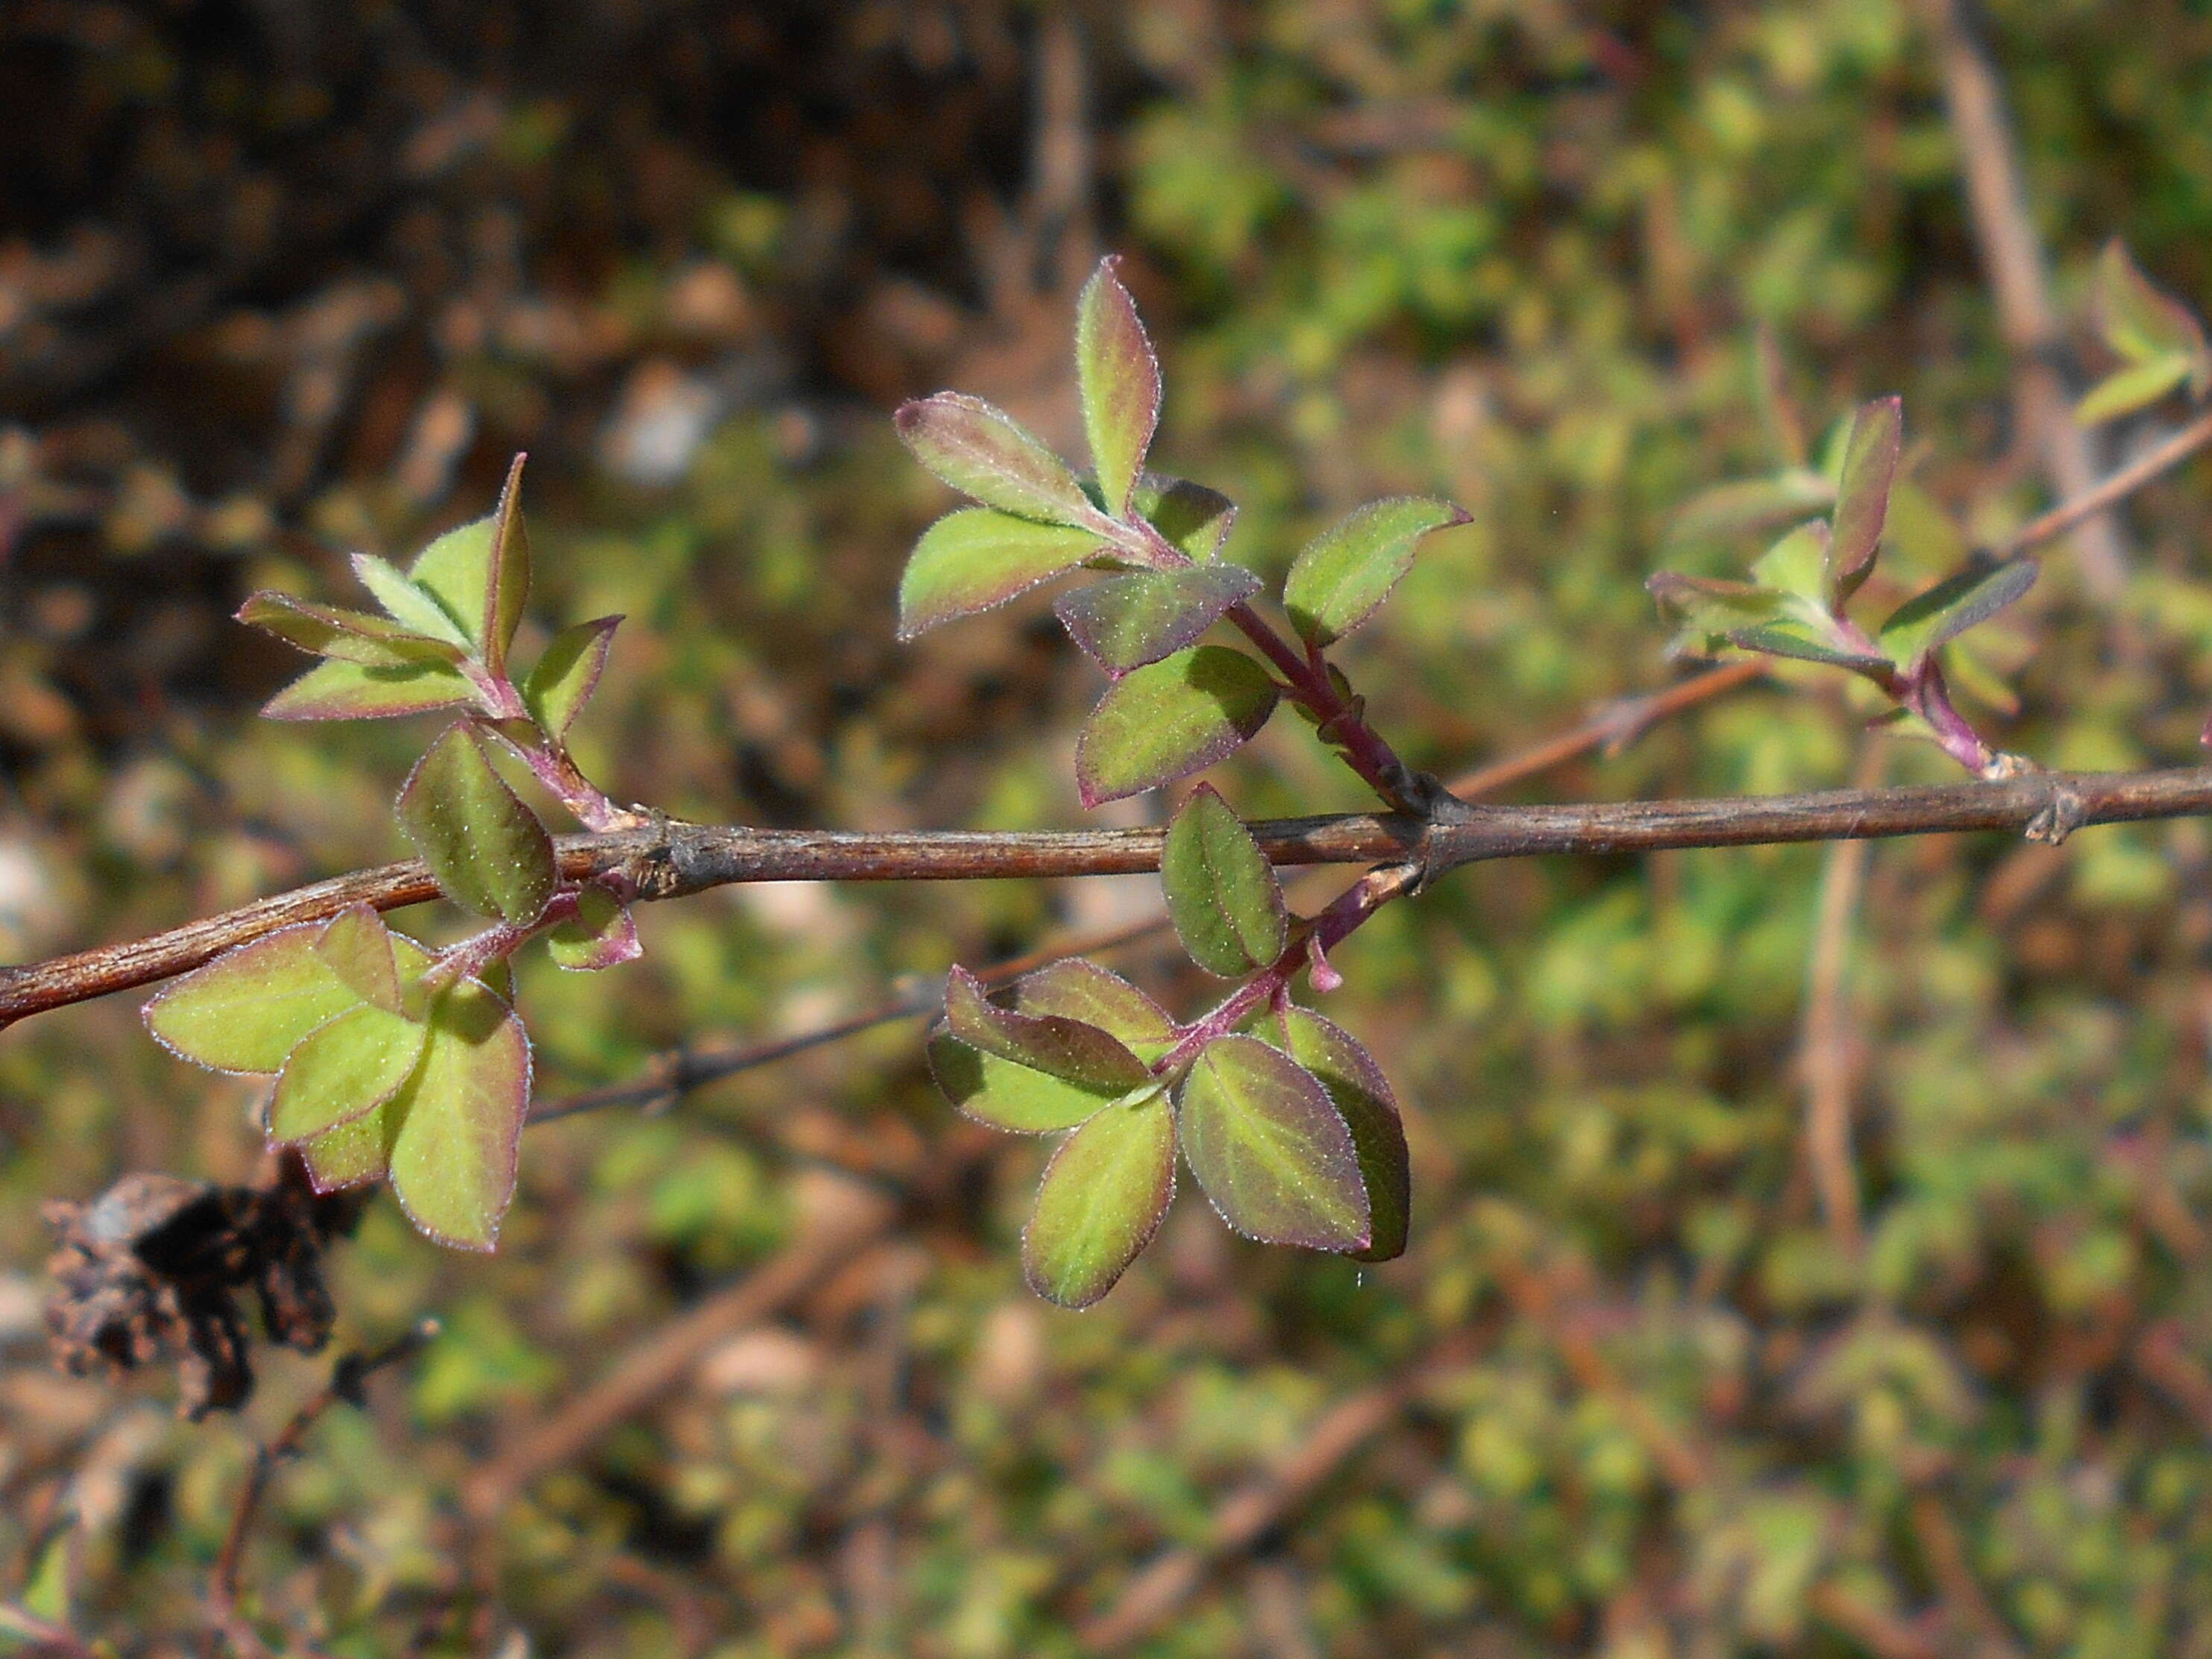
x: 1271, y: 1150
x: 1340, y: 577
x: 332, y: 631
x: 488, y: 851
x: 1101, y: 1201
x: 1969, y: 596
x: 1120, y: 379
x: 357, y: 947
x: 455, y: 1126
x: 1871, y: 457
x: 1169, y: 719
x: 564, y: 676
x: 1222, y: 894
x: 601, y: 934
x: 977, y: 558
x: 342, y: 1070
x: 333, y: 691
x: 1072, y: 1050
x: 1076, y: 989
x: 1006, y: 1095
x: 247, y: 1009
x: 1125, y: 621
x: 982, y: 453
x: 1362, y: 1096
x: 411, y: 606
x: 480, y: 574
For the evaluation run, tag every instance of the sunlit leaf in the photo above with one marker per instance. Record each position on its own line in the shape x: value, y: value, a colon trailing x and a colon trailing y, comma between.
x: 356, y: 946
x: 488, y: 851
x: 1339, y: 577
x: 2136, y: 387
x: 1119, y: 380
x: 343, y: 1069
x: 353, y: 691
x: 976, y: 558
x: 2143, y: 323
x: 1194, y: 520
x: 1925, y: 621
x: 409, y: 605
x: 353, y: 636
x: 1222, y: 894
x: 563, y: 678
x: 1871, y: 457
x: 1077, y: 989
x: 1006, y: 1095
x: 1797, y: 566
x: 1361, y: 1094
x: 246, y: 1009
x: 1270, y: 1149
x: 984, y: 454
x: 356, y: 1152
x: 1072, y: 1050
x: 1169, y: 719
x: 454, y: 1125
x: 1125, y: 621
x: 480, y: 574
x: 1101, y: 1198
x: 601, y: 934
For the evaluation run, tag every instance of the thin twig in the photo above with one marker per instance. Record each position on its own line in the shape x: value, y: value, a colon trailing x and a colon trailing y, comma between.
x: 48, y: 1640
x: 2117, y: 487
x: 678, y: 859
x: 673, y: 1074
x: 1997, y: 199
x: 347, y: 1378
x: 1825, y: 1057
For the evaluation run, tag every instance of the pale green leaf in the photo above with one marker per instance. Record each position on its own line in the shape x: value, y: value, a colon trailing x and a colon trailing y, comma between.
x: 455, y: 1126
x: 1169, y: 719
x: 1103, y: 1194
x: 1343, y: 574
x: 977, y: 558
x: 1222, y: 894
x: 488, y: 850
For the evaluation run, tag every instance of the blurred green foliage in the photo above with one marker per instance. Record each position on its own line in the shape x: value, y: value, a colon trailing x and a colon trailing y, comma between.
x: 1511, y: 255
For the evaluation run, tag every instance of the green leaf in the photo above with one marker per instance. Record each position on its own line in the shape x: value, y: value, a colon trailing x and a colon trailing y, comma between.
x: 1870, y: 456
x: 1169, y: 719
x: 1076, y: 989
x: 1072, y: 1050
x: 480, y: 574
x: 1101, y: 1198
x: 342, y: 1070
x: 1750, y: 505
x: 1119, y: 378
x: 601, y: 933
x: 1362, y: 1097
x: 976, y: 558
x: 246, y: 1009
x: 2136, y: 387
x: 1221, y: 893
x: 1267, y: 1144
x: 354, y: 1154
x: 1194, y: 520
x: 454, y: 1125
x: 352, y: 691
x: 356, y: 946
x: 1797, y: 566
x: 981, y: 453
x: 411, y: 606
x: 1974, y: 594
x: 488, y: 851
x: 1123, y: 622
x: 2143, y: 323
x: 1342, y: 574
x: 1007, y: 1095
x: 564, y: 677
x: 1803, y: 641
x: 353, y: 636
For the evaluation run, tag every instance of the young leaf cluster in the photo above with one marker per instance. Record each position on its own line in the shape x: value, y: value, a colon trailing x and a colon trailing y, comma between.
x: 1797, y: 603
x: 2160, y: 342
